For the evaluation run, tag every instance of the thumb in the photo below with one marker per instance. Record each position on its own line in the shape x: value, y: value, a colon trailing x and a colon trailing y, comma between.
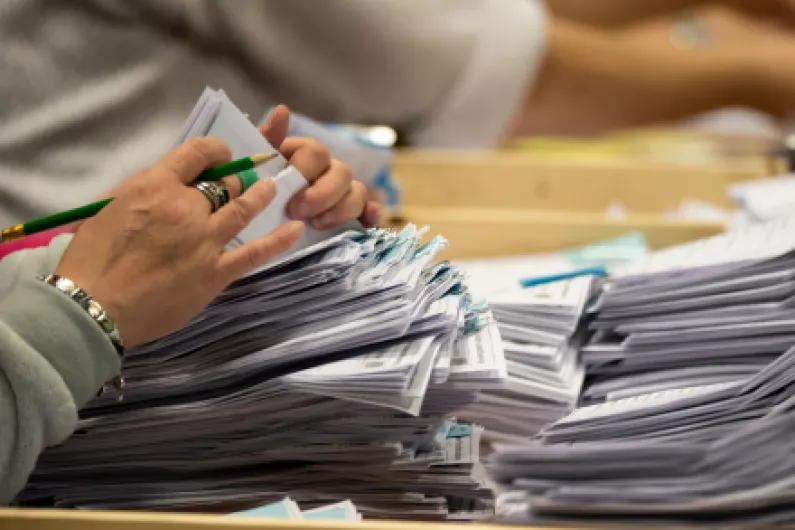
x: 275, y: 129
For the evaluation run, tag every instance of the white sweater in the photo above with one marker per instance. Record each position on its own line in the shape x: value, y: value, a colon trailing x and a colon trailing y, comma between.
x: 93, y: 90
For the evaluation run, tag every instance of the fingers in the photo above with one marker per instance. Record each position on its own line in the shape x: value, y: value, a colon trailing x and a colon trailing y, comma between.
x: 237, y: 262
x: 189, y: 159
x: 230, y: 220
x: 308, y: 156
x: 372, y: 214
x: 327, y: 191
x: 348, y: 208
x: 275, y: 129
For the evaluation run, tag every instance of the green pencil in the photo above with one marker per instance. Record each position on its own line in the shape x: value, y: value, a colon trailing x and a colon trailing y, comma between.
x: 84, y: 212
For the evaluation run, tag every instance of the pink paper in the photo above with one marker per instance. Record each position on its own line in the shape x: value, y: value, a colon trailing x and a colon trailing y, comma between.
x: 36, y: 240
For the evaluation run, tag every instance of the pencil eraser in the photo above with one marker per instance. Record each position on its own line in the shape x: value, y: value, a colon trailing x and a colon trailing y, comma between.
x: 247, y: 178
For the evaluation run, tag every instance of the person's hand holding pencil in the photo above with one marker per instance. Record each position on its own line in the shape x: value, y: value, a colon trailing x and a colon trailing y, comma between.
x: 154, y: 256
x: 332, y: 199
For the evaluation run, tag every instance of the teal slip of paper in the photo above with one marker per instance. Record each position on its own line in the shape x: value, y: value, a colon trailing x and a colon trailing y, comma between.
x: 598, y: 271
x: 336, y: 513
x: 595, y: 259
x: 459, y: 431
x: 277, y: 510
x: 627, y: 247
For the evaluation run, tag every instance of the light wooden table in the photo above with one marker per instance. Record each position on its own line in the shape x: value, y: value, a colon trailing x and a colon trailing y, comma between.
x: 11, y: 519
x: 490, y: 204
x: 512, y: 180
x: 87, y: 520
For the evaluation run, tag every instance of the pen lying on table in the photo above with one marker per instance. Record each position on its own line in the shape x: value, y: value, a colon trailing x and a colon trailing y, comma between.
x: 243, y: 167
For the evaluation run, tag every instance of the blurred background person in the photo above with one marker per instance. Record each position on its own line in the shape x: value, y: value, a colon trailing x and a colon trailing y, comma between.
x: 687, y: 25
x: 92, y: 89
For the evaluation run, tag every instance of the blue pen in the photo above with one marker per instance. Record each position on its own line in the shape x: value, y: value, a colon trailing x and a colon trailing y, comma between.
x: 539, y: 280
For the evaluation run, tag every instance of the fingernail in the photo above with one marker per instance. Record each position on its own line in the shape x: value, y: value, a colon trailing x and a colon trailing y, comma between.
x: 296, y: 228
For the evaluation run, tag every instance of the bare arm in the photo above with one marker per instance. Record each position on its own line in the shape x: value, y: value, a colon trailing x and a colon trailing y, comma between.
x: 617, y: 13
x: 614, y: 13
x: 592, y: 81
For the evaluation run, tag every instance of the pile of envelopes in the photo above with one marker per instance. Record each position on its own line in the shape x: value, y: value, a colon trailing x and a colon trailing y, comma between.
x: 541, y: 332
x: 325, y: 376
x: 694, y: 361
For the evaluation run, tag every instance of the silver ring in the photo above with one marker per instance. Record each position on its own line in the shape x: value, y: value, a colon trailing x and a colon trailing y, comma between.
x: 215, y: 192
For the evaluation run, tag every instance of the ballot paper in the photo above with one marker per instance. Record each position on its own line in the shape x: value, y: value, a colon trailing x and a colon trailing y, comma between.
x: 688, y: 408
x: 487, y: 277
x: 216, y: 116
x: 764, y: 199
x: 541, y: 331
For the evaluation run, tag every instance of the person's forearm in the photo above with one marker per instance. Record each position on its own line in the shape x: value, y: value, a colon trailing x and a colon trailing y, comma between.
x: 591, y: 82
x: 615, y: 13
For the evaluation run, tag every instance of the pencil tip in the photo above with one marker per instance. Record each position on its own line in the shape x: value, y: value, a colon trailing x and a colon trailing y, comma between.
x: 261, y: 159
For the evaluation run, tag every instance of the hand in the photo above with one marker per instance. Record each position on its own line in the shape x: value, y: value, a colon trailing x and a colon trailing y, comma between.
x: 153, y: 258
x: 333, y: 197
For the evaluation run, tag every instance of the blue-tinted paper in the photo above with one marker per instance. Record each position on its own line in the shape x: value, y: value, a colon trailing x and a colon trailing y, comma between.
x: 277, y: 510
x: 332, y: 513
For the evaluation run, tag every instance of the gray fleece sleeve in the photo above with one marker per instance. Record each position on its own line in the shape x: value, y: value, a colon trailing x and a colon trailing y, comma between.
x: 53, y: 359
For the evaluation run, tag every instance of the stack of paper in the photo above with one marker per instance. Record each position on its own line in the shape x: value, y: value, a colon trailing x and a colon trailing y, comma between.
x: 323, y: 376
x: 712, y: 311
x: 541, y: 335
x: 699, y: 339
x: 542, y: 330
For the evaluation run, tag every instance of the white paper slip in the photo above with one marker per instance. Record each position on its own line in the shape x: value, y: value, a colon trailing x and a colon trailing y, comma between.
x: 479, y: 355
x: 645, y: 401
x: 765, y: 198
x: 219, y: 117
x: 753, y: 243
